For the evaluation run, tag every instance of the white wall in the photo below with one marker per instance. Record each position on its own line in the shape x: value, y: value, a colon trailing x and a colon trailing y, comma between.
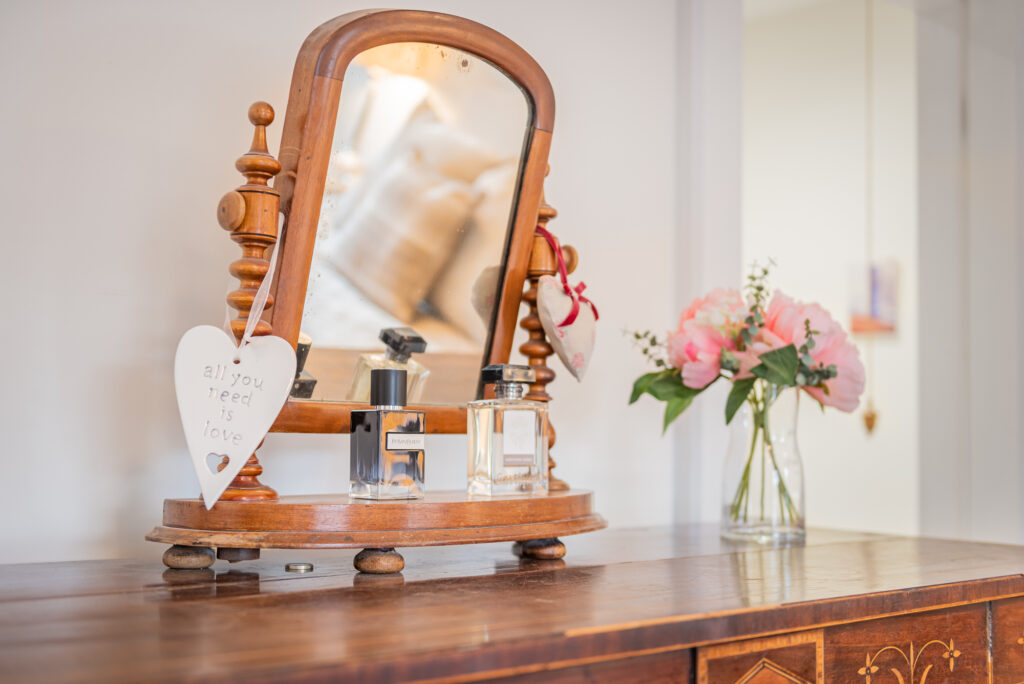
x: 123, y: 121
x: 708, y: 254
x: 945, y: 459
x: 803, y: 181
x: 971, y: 168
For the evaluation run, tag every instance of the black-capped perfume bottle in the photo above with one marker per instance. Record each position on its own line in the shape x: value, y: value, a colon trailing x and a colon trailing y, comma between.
x: 302, y: 387
x: 387, y: 443
x: 508, y: 436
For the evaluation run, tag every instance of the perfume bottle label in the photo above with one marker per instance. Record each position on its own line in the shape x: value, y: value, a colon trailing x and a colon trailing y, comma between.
x: 405, y: 441
x: 519, y: 438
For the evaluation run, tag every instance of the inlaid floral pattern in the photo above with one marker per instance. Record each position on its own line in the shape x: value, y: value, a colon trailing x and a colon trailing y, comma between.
x: 868, y: 669
x: 911, y: 659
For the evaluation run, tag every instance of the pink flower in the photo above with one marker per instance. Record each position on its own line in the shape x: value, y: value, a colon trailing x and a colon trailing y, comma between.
x: 723, y: 309
x: 784, y: 324
x: 706, y: 327
x: 751, y: 356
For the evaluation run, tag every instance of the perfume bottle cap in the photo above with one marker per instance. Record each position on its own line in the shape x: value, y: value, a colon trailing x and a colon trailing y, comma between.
x: 403, y: 342
x: 387, y: 387
x: 507, y: 373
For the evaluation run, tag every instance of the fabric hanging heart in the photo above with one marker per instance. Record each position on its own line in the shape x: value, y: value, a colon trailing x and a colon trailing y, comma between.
x: 569, y: 319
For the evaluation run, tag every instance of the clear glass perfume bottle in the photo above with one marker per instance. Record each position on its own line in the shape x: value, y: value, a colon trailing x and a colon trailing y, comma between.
x: 508, y: 436
x: 387, y: 442
x: 401, y: 344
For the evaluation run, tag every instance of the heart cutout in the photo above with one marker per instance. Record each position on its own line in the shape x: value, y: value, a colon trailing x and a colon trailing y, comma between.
x: 213, y: 461
x: 574, y: 343
x: 228, y: 398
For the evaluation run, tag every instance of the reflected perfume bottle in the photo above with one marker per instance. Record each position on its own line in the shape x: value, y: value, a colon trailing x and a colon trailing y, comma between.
x: 302, y: 387
x: 508, y: 436
x: 401, y: 344
x: 387, y: 442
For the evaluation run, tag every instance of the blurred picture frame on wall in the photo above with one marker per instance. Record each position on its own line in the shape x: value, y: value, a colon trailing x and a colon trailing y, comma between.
x: 874, y: 298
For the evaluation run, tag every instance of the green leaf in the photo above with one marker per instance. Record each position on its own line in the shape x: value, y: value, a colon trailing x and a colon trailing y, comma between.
x: 778, y: 366
x: 668, y: 385
x: 641, y: 385
x: 737, y: 395
x: 675, y: 407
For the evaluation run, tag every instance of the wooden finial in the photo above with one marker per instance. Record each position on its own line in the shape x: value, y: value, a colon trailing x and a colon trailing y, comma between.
x: 537, y: 349
x: 250, y: 213
x: 257, y: 165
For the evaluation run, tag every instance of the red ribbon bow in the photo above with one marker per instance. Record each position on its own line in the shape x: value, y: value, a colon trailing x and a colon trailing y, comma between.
x: 575, y: 293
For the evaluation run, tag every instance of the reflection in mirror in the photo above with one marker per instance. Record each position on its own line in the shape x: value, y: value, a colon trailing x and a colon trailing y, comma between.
x: 420, y: 191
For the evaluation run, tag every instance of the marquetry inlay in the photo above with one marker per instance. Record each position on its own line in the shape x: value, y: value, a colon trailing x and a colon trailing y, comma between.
x: 785, y: 659
x: 767, y: 672
x: 911, y: 660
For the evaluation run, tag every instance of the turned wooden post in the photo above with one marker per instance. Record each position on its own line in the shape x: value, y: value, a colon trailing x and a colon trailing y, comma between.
x: 537, y: 349
x: 250, y: 213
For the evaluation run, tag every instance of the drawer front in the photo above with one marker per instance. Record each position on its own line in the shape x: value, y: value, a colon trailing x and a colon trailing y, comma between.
x: 1008, y: 641
x: 787, y: 659
x: 672, y: 667
x: 928, y: 648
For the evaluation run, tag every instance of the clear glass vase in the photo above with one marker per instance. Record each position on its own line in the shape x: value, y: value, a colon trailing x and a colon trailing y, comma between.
x: 763, y: 485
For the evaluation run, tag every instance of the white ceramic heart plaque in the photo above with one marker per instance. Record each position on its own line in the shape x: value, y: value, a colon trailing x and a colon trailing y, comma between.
x: 228, y: 398
x: 574, y: 343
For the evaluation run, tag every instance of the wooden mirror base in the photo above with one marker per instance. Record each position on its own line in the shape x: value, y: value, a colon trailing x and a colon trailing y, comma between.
x: 238, y: 529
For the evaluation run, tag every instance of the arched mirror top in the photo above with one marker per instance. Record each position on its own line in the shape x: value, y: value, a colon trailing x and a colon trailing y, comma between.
x: 340, y: 40
x: 438, y: 197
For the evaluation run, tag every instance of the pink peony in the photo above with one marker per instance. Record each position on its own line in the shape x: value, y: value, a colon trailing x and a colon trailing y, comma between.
x: 784, y: 324
x: 707, y: 326
x: 751, y: 356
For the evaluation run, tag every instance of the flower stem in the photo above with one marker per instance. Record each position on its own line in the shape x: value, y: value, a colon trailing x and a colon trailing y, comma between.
x: 760, y: 403
x: 743, y: 489
x: 786, y: 503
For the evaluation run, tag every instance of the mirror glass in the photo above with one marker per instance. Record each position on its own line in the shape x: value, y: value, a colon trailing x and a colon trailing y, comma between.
x: 418, y: 202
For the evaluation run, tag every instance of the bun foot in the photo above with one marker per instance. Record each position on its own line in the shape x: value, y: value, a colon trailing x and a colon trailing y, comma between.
x: 379, y: 561
x: 188, y: 557
x: 539, y: 549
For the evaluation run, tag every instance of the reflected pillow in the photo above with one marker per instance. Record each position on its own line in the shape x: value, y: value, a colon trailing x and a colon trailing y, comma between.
x: 450, y: 150
x: 401, y: 234
x: 394, y: 101
x: 482, y: 247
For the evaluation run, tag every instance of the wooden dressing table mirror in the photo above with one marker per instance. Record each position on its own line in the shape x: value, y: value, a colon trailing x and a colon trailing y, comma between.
x: 410, y: 179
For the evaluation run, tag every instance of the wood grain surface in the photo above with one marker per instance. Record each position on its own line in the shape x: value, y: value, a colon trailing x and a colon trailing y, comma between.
x: 473, y: 612
x: 1008, y: 641
x: 794, y: 658
x: 334, y: 521
x: 938, y: 647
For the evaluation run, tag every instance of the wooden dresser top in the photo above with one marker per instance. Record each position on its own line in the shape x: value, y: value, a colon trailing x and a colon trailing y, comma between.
x: 464, y: 609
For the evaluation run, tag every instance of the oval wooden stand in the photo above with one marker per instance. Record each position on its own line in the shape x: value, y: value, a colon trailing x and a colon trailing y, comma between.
x: 333, y: 521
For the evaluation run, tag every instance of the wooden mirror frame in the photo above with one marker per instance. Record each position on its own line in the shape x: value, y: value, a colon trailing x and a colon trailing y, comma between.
x: 306, y: 143
x: 249, y: 515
